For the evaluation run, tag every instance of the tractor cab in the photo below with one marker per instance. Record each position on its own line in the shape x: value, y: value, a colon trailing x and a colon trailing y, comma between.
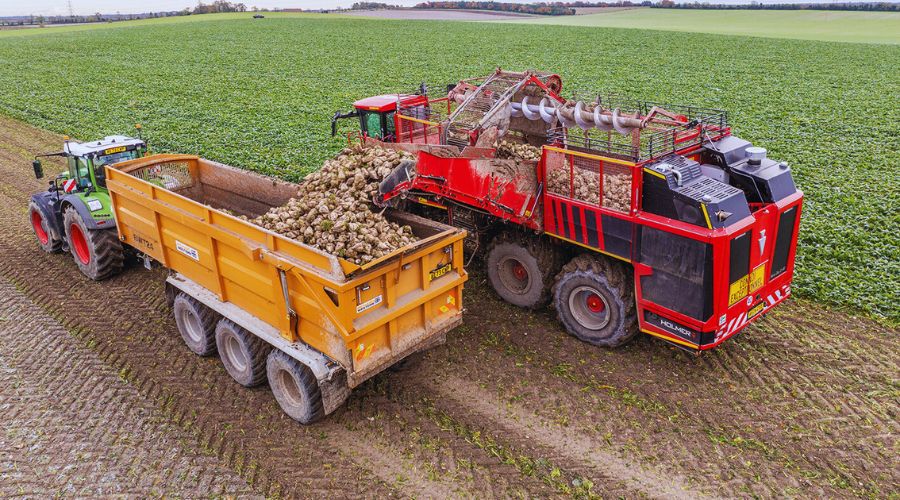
x: 85, y: 160
x: 377, y: 114
x: 75, y: 213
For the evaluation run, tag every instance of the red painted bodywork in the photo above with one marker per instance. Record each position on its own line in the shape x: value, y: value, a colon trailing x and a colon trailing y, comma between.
x: 459, y: 180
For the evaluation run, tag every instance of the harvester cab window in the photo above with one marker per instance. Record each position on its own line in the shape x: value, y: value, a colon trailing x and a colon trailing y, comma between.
x: 389, y: 126
x: 372, y: 123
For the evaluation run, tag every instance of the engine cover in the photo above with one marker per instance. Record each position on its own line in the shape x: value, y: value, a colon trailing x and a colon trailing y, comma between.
x: 675, y: 187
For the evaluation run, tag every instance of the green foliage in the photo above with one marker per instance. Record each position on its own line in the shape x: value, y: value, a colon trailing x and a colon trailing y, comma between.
x: 260, y: 95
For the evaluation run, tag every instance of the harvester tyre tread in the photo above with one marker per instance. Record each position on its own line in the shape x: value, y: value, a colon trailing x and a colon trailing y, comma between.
x: 105, y: 252
x: 611, y: 282
x: 196, y: 323
x: 539, y: 258
x: 243, y: 354
x: 295, y: 388
x: 51, y: 245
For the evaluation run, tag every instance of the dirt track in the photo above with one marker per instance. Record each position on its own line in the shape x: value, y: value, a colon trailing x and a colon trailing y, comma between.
x: 805, y: 403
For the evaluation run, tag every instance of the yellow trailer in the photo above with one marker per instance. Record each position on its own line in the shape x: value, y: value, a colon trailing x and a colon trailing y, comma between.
x: 313, y: 324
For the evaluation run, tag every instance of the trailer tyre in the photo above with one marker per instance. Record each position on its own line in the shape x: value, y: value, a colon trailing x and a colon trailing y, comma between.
x: 295, y: 388
x: 594, y: 300
x: 98, y: 252
x: 196, y: 323
x: 520, y: 268
x: 42, y: 230
x: 243, y: 354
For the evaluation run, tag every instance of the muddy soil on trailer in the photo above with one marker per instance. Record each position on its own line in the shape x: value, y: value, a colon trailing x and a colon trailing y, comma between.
x: 804, y: 403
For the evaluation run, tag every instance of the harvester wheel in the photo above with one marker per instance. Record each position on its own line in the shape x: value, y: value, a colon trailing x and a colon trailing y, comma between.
x: 594, y: 300
x: 97, y: 252
x: 521, y: 269
x: 196, y: 323
x: 295, y: 388
x: 42, y: 231
x: 243, y: 354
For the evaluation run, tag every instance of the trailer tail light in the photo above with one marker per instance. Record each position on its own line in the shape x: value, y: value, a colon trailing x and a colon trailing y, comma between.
x: 783, y: 241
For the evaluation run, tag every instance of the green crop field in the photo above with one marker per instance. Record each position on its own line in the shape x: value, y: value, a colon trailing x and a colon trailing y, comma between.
x: 870, y: 27
x: 259, y: 94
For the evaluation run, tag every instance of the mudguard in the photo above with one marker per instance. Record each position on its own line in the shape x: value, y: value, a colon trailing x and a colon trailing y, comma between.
x: 47, y: 204
x: 92, y: 220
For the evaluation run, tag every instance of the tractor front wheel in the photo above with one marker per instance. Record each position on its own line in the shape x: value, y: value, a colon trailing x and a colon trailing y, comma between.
x: 42, y: 231
x: 97, y: 252
x: 594, y: 300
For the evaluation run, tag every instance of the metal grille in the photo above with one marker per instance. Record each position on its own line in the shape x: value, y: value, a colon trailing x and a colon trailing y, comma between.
x: 584, y: 179
x: 658, y: 139
x: 173, y: 175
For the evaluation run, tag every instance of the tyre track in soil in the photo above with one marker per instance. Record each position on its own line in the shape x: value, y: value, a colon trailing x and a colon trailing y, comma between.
x: 481, y: 472
x: 99, y: 437
x: 745, y: 390
x: 740, y: 401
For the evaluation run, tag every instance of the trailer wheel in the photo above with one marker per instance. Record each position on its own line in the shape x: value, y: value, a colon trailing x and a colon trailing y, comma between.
x: 594, y: 300
x: 42, y: 231
x: 295, y: 388
x: 196, y: 323
x: 521, y: 268
x: 243, y: 354
x: 97, y: 252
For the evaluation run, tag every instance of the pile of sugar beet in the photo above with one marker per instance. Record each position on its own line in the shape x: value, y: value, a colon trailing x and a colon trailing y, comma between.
x: 333, y: 209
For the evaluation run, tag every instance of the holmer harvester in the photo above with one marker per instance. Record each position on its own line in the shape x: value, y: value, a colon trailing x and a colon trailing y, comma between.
x: 630, y: 215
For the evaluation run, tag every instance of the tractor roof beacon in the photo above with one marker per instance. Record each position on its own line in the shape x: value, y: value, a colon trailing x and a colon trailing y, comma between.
x: 628, y: 215
x: 74, y: 213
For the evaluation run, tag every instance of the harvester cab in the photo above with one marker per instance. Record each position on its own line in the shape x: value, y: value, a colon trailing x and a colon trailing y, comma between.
x: 376, y: 114
x: 74, y: 214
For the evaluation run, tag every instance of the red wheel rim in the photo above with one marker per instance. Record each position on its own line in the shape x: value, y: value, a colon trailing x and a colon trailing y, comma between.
x: 79, y: 243
x: 38, y: 223
x: 519, y: 271
x: 595, y: 303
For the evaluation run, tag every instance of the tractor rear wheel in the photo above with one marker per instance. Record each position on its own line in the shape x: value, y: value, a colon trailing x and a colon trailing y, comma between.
x: 196, y: 323
x: 97, y: 252
x: 294, y: 387
x: 243, y: 354
x: 42, y: 231
x: 521, y: 268
x: 594, y: 300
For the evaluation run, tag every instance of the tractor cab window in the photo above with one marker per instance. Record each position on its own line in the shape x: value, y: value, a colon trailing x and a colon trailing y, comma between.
x: 101, y: 161
x: 79, y: 169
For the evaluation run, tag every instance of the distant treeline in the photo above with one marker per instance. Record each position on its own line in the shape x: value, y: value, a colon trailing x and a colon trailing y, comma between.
x: 374, y: 6
x: 864, y: 6
x: 546, y: 9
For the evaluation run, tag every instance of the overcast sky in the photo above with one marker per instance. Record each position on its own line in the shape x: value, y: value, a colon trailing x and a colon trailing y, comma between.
x: 60, y: 7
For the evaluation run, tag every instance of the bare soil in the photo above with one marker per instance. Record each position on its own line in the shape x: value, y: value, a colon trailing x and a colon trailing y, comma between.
x: 804, y: 403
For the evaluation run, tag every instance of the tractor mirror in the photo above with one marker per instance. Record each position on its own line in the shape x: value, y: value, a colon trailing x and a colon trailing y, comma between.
x: 38, y: 169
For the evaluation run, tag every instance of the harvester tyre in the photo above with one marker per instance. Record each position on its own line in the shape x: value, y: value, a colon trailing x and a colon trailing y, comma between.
x: 243, y: 354
x: 520, y: 268
x: 42, y: 231
x: 196, y: 323
x: 594, y: 300
x: 295, y: 388
x: 97, y: 252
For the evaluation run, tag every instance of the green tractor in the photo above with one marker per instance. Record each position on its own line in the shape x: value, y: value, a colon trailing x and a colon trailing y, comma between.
x: 75, y: 214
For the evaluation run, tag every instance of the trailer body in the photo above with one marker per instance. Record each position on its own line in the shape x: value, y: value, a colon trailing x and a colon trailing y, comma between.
x: 344, y: 321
